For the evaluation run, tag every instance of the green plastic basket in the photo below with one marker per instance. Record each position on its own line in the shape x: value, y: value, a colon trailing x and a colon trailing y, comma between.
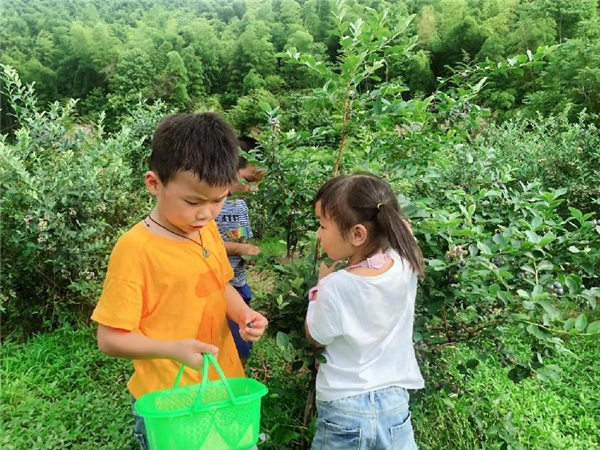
x: 213, y: 415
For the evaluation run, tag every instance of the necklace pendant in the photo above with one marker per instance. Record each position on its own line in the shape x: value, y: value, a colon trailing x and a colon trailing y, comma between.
x: 205, y: 253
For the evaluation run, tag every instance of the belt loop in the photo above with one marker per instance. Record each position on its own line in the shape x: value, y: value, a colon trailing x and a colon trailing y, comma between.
x: 372, y: 397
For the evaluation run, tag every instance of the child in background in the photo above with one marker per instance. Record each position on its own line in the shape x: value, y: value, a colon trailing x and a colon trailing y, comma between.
x: 166, y: 297
x: 234, y: 225
x: 363, y: 316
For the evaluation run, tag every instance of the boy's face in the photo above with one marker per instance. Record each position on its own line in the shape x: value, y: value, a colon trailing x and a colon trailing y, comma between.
x: 185, y: 203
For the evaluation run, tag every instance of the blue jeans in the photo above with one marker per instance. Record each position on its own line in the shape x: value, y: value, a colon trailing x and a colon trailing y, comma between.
x: 376, y: 420
x: 139, y: 428
x: 242, y: 346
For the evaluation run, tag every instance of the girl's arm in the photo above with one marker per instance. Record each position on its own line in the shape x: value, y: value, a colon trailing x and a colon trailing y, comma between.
x: 252, y: 324
x: 127, y: 344
x: 309, y: 337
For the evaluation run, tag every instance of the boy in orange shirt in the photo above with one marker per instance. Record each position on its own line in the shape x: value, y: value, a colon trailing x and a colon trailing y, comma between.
x: 167, y: 297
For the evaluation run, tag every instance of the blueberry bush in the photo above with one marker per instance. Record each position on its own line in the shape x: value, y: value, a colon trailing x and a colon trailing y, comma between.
x: 67, y: 193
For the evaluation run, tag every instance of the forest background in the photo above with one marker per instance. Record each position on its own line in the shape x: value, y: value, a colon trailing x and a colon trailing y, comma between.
x: 483, y: 115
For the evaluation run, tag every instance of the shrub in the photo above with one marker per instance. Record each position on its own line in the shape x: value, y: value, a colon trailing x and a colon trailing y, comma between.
x: 68, y: 192
x: 551, y: 151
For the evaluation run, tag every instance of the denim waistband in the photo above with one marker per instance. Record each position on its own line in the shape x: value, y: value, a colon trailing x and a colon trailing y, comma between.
x: 371, y: 403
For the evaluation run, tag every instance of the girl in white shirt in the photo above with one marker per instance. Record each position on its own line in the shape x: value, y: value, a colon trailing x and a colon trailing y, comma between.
x: 363, y: 316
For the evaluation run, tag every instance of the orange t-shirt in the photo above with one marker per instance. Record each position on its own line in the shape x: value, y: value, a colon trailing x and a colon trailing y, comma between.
x: 167, y: 290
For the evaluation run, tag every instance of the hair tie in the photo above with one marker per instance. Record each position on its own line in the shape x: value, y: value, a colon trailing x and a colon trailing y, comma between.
x: 379, y: 205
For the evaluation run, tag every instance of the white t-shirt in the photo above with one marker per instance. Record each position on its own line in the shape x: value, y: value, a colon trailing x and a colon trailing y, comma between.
x: 366, y: 326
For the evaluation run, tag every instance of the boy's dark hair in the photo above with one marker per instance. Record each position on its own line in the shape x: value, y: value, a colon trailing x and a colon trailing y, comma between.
x: 203, y: 144
x: 246, y: 143
x: 365, y: 199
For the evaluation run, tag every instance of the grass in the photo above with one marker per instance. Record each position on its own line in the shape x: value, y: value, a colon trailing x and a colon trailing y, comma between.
x: 58, y: 391
x: 487, y: 410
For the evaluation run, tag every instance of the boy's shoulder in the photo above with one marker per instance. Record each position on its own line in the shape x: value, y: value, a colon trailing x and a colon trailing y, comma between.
x: 134, y: 238
x: 132, y: 244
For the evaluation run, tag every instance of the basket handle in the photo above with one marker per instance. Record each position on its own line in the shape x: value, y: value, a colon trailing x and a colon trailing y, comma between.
x: 207, y: 358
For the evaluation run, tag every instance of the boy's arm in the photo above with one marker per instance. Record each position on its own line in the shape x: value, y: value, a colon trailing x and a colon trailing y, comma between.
x: 239, y: 249
x: 242, y: 314
x: 126, y: 344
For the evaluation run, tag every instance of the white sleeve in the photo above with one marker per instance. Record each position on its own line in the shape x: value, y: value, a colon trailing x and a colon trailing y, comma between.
x: 323, y: 319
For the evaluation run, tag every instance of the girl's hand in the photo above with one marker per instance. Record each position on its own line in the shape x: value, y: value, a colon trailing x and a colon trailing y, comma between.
x: 189, y: 352
x: 324, y: 270
x: 253, y: 326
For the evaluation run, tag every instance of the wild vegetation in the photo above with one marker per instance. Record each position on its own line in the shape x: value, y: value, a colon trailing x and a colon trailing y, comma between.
x: 482, y: 115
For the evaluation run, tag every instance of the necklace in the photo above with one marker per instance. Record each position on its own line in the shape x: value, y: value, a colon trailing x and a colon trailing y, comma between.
x: 205, y: 252
x: 376, y: 261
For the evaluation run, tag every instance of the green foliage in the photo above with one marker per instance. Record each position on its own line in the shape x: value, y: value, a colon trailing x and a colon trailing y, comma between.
x: 556, y: 153
x: 86, y: 50
x: 59, y: 391
x: 247, y: 113
x: 66, y: 196
x: 501, y: 254
x: 477, y: 406
x: 506, y: 213
x: 133, y: 78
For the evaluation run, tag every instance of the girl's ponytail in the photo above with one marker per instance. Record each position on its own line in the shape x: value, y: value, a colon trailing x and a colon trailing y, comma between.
x: 394, y: 225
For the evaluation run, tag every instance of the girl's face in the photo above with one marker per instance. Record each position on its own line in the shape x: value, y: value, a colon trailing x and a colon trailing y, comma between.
x: 335, y: 245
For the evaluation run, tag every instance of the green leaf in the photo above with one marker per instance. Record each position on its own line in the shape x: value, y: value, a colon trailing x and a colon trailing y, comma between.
x: 581, y: 322
x: 549, y: 372
x: 472, y: 363
x: 576, y: 213
x: 499, y: 239
x: 479, y: 85
x: 528, y: 268
x: 594, y: 327
x: 437, y: 264
x: 545, y: 265
x: 537, y: 221
x: 559, y: 192
x: 282, y: 340
x: 493, y: 289
x: 264, y: 106
x: 548, y: 237
x: 569, y: 324
x: 471, y: 209
x: 533, y: 237
x: 528, y: 305
x: 484, y: 248
x: 551, y: 310
x: 574, y: 249
x: 537, y: 332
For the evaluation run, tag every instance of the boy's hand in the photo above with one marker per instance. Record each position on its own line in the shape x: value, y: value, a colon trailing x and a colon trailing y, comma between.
x: 189, y: 352
x: 251, y: 250
x: 325, y: 270
x: 253, y: 326
x: 251, y: 174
